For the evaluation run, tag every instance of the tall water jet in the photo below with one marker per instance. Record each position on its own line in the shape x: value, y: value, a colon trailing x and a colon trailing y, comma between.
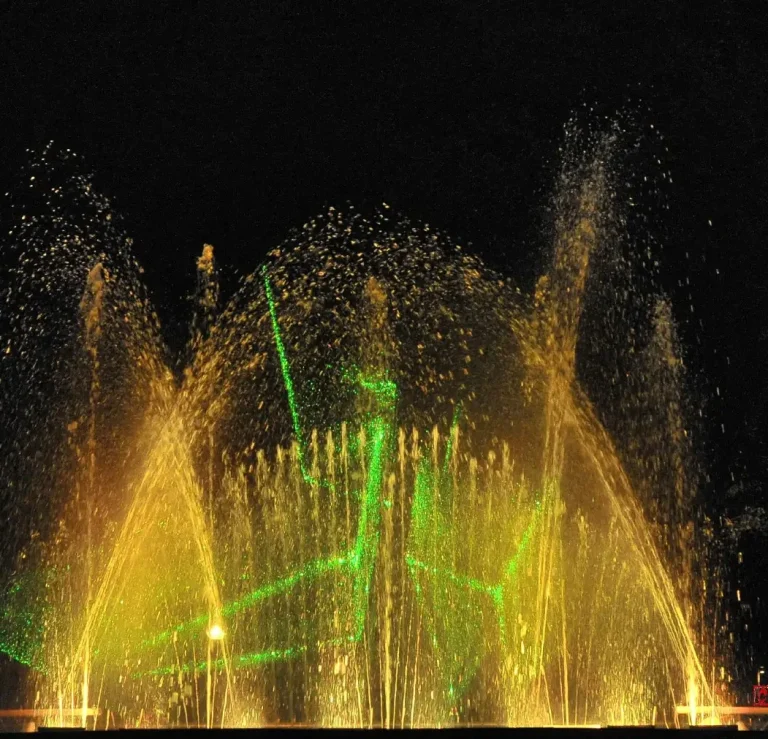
x: 91, y: 306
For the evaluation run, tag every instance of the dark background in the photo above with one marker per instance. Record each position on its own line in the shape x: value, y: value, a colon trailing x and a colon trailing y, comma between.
x: 232, y: 122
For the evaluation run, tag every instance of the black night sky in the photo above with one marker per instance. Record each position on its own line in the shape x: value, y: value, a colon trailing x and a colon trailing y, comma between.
x: 232, y: 122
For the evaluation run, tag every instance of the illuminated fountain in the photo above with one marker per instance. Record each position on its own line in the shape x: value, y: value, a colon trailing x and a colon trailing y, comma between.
x: 378, y: 495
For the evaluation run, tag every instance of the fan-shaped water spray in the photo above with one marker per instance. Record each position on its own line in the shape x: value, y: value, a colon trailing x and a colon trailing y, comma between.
x: 379, y: 495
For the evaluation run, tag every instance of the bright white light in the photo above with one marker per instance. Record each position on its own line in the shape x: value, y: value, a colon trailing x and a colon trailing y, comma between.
x: 216, y: 633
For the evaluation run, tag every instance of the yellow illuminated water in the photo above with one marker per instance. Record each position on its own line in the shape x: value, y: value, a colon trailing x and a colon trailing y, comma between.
x: 379, y: 495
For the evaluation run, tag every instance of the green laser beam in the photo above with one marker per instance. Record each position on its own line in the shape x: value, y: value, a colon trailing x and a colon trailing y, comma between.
x: 496, y: 590
x: 464, y: 581
x: 312, y: 570
x: 285, y: 369
x: 385, y: 390
x: 366, y: 546
x: 449, y: 443
x: 253, y: 659
x: 510, y: 571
